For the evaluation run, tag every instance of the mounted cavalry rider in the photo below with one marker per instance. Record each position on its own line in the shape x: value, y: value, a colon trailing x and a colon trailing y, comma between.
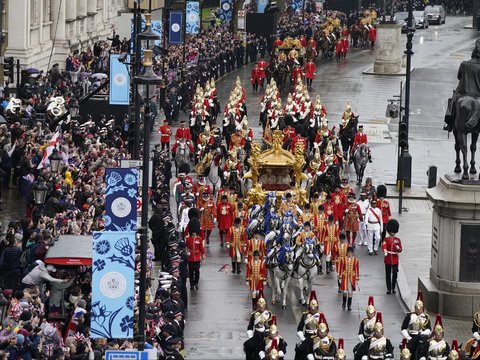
x: 203, y: 141
x: 183, y: 133
x: 416, y: 326
x: 359, y: 138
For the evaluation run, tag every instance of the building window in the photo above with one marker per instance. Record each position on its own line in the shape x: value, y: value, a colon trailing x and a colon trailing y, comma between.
x: 46, y: 11
x: 82, y: 26
x: 34, y: 13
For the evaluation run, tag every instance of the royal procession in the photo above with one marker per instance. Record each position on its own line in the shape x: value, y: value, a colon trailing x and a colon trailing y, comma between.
x: 245, y: 180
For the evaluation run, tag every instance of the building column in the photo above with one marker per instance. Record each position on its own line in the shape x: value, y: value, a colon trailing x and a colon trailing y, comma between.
x: 18, y: 26
x: 81, y: 9
x: 58, y: 13
x: 71, y: 10
x: 91, y: 7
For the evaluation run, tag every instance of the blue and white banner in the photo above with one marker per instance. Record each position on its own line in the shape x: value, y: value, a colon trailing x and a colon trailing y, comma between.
x: 226, y: 10
x: 193, y: 17
x: 119, y: 82
x: 156, y: 27
x: 121, y: 199
x: 297, y: 5
x: 113, y: 284
x: 175, y: 32
x: 261, y: 5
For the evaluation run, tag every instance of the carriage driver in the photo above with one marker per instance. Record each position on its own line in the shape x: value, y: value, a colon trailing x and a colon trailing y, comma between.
x: 359, y: 138
x: 183, y: 133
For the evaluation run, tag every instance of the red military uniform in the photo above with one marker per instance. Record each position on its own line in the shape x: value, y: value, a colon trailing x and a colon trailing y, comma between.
x: 243, y: 215
x: 224, y: 216
x: 319, y: 222
x: 339, y: 252
x: 310, y: 70
x: 183, y: 133
x: 359, y: 138
x: 329, y: 209
x: 237, y: 241
x: 349, y: 273
x: 352, y: 217
x: 195, y: 248
x: 262, y: 65
x: 255, y: 244
x: 331, y: 235
x: 339, y: 200
x: 303, y: 41
x: 208, y: 213
x: 165, y: 132
x: 312, y: 43
x: 345, y: 44
x: 298, y: 139
x: 255, y: 77
x: 391, y: 247
x: 277, y: 42
x: 256, y: 274
x: 339, y: 48
x: 297, y: 71
x: 384, y: 205
x: 372, y: 34
x: 289, y: 133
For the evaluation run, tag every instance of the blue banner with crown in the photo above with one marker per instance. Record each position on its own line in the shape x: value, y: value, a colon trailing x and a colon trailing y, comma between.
x: 121, y: 199
x: 193, y: 17
x: 113, y: 284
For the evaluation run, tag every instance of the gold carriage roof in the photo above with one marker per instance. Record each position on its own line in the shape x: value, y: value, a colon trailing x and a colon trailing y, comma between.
x: 276, y: 156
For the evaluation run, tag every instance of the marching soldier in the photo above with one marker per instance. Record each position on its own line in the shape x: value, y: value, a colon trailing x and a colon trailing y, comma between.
x: 208, y: 215
x: 165, y: 131
x: 236, y: 243
x: 195, y: 253
x: 224, y: 217
x: 323, y: 346
x: 255, y: 244
x: 331, y: 234
x: 256, y: 275
x: 374, y: 222
x: 364, y: 204
x: 416, y: 324
x: 310, y: 70
x: 257, y: 326
x: 340, y: 249
x: 384, y: 206
x: 365, y: 329
x: 438, y: 348
x: 349, y: 275
x: 200, y: 187
x: 241, y: 213
x: 391, y: 247
x: 377, y: 346
x: 255, y: 78
x: 262, y: 66
x: 274, y: 341
x: 353, y: 215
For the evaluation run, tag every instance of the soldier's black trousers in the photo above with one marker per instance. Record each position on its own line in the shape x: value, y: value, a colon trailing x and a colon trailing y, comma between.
x: 391, y: 276
x: 194, y: 272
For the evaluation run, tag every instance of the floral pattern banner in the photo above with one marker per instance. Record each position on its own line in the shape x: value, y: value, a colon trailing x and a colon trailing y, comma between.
x: 297, y: 5
x: 121, y: 199
x: 193, y: 17
x: 113, y: 284
x: 226, y: 11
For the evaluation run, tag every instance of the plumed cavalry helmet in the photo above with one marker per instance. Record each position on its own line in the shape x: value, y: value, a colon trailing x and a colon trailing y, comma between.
x: 371, y: 306
x: 313, y: 302
x: 273, y: 353
x: 340, y: 354
x: 454, y: 355
x: 438, y: 327
x: 405, y: 353
x: 378, y: 327
x: 419, y: 306
x: 261, y: 299
x: 273, y: 326
x: 392, y: 226
x: 322, y: 324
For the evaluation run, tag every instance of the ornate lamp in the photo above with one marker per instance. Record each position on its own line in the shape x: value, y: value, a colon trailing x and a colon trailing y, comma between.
x: 39, y: 193
x: 55, y: 161
x: 74, y: 109
x: 148, y: 34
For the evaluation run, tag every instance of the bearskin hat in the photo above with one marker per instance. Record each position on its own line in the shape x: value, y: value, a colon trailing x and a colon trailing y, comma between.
x: 193, y: 213
x: 184, y: 168
x: 194, y: 226
x: 392, y: 226
x: 381, y: 191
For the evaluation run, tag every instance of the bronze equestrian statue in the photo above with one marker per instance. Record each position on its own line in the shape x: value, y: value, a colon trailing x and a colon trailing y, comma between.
x: 463, y: 113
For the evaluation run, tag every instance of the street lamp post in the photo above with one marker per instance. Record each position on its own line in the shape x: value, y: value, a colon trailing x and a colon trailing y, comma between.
x: 55, y: 161
x: 74, y: 109
x: 39, y: 191
x: 145, y: 83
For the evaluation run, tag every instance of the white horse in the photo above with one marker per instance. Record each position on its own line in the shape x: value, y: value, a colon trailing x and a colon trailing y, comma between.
x: 213, y: 176
x: 282, y: 274
x: 182, y: 154
x: 306, y: 271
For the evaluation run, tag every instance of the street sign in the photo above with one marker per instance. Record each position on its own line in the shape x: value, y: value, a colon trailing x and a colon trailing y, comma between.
x: 241, y: 20
x: 130, y: 355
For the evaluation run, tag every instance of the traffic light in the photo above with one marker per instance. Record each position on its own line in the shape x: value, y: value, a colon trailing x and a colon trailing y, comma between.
x: 9, y: 67
x: 403, y: 135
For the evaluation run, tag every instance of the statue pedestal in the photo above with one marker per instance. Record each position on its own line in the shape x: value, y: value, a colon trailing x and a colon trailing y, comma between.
x: 453, y: 287
x: 388, y: 50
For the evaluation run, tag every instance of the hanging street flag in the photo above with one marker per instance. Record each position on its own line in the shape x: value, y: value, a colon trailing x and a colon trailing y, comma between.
x: 193, y: 17
x: 48, y: 150
x: 121, y: 199
x: 119, y: 81
x: 175, y: 32
x: 261, y: 5
x: 226, y: 11
x: 113, y: 284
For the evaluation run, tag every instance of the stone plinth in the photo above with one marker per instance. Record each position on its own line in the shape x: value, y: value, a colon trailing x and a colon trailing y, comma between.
x: 453, y: 287
x: 388, y: 49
